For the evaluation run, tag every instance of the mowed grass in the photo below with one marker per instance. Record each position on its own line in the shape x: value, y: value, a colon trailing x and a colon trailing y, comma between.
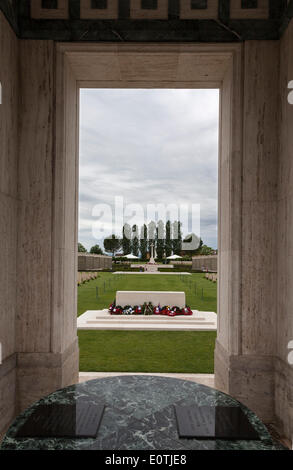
x: 201, y: 294
x: 147, y: 351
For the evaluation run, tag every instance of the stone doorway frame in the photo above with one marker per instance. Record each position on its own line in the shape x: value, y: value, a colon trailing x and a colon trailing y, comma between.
x: 109, y: 65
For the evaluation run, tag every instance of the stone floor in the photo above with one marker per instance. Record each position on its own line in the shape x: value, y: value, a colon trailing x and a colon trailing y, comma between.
x: 204, y: 379
x: 102, y: 320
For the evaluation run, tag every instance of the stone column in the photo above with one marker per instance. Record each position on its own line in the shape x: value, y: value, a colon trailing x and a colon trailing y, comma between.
x: 46, y: 342
x: 284, y: 281
x: 244, y: 359
x: 9, y: 80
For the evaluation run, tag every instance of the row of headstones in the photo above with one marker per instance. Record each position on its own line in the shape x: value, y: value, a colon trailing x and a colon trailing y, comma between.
x: 84, y: 276
x: 212, y: 277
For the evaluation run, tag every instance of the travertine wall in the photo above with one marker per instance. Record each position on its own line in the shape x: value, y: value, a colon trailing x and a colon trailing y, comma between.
x: 207, y: 262
x: 47, y: 352
x: 283, y: 286
x: 38, y: 210
x: 246, y: 370
x: 8, y: 217
x: 37, y: 329
x: 89, y: 262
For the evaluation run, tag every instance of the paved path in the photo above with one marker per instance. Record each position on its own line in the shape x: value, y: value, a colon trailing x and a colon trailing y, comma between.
x: 102, y: 320
x: 204, y: 379
x: 155, y: 272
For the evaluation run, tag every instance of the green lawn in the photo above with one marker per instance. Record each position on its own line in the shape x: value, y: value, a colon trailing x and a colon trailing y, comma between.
x: 147, y: 351
x: 109, y: 283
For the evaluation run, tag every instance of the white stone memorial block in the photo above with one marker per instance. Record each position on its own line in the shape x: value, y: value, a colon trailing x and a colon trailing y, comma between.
x: 156, y: 297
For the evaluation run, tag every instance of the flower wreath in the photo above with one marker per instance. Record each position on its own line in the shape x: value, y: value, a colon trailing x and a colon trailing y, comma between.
x: 128, y: 310
x: 157, y: 310
x: 117, y: 310
x: 137, y: 310
x: 165, y: 310
x: 147, y: 308
x: 187, y: 310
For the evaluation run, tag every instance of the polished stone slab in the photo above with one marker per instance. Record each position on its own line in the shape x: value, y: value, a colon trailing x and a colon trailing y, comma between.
x: 214, y: 422
x: 139, y: 414
x: 72, y: 420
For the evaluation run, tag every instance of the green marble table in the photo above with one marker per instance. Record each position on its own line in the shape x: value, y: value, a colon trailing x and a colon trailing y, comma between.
x: 139, y: 415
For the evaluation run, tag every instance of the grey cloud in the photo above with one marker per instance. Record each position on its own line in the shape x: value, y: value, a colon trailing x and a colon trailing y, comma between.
x: 149, y: 146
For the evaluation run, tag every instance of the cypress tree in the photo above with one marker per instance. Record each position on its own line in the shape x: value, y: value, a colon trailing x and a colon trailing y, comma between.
x: 160, y: 239
x: 126, y: 239
x: 135, y: 242
x: 168, y: 244
x: 144, y: 241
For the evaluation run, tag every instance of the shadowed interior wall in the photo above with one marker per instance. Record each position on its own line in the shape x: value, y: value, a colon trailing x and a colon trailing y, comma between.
x: 283, y: 287
x: 8, y: 216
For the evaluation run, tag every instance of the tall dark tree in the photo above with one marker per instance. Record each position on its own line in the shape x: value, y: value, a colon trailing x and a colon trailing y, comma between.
x: 168, y: 243
x: 96, y: 250
x: 135, y: 241
x: 152, y: 235
x: 126, y: 239
x: 81, y: 248
x: 160, y: 239
x: 177, y: 238
x: 143, y: 241
x: 112, y: 244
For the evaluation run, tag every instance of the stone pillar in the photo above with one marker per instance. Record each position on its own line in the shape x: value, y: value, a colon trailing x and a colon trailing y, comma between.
x: 46, y: 342
x: 8, y: 218
x: 244, y: 359
x: 284, y: 281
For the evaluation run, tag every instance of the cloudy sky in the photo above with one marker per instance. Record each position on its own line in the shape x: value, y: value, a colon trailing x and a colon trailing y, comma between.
x: 147, y: 147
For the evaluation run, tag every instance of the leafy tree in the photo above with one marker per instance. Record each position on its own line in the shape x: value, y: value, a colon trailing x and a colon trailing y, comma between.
x: 135, y: 241
x: 177, y: 238
x: 206, y: 250
x: 96, y: 250
x: 198, y: 250
x: 81, y: 248
x: 187, y: 241
x: 143, y: 241
x: 126, y: 239
x: 168, y: 243
x: 160, y: 239
x: 112, y: 244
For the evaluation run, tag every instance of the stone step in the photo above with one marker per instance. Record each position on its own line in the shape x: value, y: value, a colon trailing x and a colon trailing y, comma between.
x: 205, y: 326
x: 175, y: 322
x: 102, y: 320
x: 150, y: 318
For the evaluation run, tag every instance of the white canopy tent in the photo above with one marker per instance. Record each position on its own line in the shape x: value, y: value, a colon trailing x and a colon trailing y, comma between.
x: 174, y: 257
x: 130, y: 256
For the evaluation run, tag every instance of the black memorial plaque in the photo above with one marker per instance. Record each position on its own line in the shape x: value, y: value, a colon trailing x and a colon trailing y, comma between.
x: 76, y: 420
x: 218, y: 422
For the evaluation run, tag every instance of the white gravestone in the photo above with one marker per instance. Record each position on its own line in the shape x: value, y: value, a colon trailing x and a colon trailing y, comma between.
x: 156, y: 297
